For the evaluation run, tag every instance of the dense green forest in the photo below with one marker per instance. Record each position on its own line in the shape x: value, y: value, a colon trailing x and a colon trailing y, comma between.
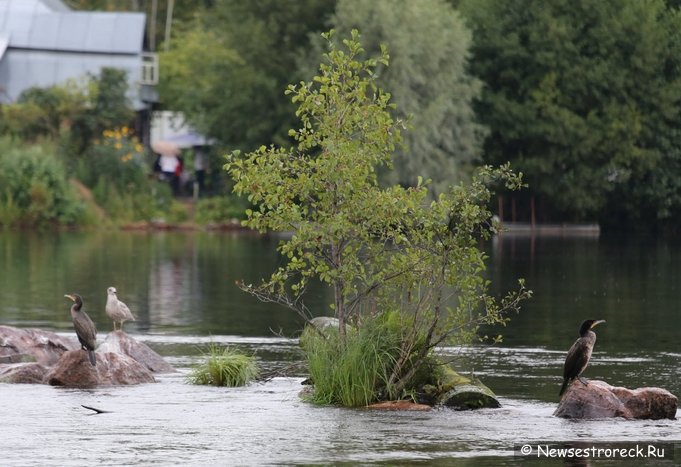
x: 582, y: 97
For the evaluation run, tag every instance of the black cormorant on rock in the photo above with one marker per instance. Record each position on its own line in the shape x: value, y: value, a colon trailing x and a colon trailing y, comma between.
x: 579, y: 354
x: 85, y: 328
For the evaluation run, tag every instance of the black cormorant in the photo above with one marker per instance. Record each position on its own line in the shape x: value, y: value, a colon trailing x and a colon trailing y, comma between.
x: 579, y: 354
x: 85, y: 328
x: 116, y: 309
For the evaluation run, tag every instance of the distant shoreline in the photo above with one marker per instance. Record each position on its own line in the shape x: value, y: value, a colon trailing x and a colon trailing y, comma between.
x: 522, y: 228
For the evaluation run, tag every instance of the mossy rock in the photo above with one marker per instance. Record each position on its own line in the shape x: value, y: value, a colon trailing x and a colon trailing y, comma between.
x: 463, y: 393
x: 468, y: 397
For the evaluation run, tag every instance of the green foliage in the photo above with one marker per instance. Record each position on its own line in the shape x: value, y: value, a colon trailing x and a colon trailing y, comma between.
x: 80, y: 110
x: 116, y: 168
x: 109, y: 107
x: 43, y: 112
x: 34, y: 189
x: 377, y: 248
x: 565, y: 102
x: 220, y: 209
x: 177, y: 212
x: 351, y: 373
x: 203, y: 97
x: 225, y: 70
x: 429, y: 82
x: 358, y: 372
x: 225, y: 367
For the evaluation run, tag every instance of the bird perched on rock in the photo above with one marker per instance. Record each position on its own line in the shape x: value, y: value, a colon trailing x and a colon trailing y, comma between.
x: 116, y: 309
x: 85, y: 328
x: 579, y: 354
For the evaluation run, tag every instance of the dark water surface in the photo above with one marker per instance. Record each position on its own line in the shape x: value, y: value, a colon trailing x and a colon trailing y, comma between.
x: 181, y: 288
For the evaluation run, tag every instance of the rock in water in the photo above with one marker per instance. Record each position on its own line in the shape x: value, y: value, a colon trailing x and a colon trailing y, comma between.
x: 74, y: 370
x: 44, y: 347
x: 470, y: 396
x: 400, y: 406
x: 598, y: 399
x: 120, y: 343
x: 461, y: 392
x: 23, y: 373
x: 37, y: 356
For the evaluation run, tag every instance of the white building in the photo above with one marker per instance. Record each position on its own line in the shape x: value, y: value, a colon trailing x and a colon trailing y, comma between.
x: 44, y: 42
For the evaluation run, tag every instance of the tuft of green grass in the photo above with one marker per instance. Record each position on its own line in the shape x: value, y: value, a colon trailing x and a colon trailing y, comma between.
x: 354, y: 374
x: 225, y: 367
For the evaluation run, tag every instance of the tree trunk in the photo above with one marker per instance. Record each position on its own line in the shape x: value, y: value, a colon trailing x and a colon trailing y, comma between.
x: 336, y: 258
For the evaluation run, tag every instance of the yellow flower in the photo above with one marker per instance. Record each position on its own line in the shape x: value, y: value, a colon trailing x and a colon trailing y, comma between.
x: 118, y: 145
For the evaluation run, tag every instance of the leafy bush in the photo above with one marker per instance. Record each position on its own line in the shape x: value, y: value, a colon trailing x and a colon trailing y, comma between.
x: 34, y: 187
x: 177, y: 212
x: 116, y: 169
x: 119, y: 157
x: 220, y: 209
x: 43, y: 112
x: 225, y: 367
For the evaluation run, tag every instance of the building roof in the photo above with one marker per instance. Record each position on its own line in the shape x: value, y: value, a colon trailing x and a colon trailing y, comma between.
x: 30, y: 25
x: 41, y: 6
x: 43, y: 43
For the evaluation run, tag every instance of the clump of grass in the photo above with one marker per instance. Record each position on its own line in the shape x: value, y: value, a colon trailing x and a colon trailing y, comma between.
x: 225, y: 367
x: 354, y: 374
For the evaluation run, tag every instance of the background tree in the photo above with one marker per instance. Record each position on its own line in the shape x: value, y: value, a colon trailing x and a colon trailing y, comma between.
x: 428, y: 79
x: 387, y: 254
x: 583, y: 97
x: 233, y: 61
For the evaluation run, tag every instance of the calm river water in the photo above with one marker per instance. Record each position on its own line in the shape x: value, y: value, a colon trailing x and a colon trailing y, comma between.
x: 181, y: 287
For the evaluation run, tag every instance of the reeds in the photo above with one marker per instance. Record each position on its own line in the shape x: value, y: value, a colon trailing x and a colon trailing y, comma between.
x: 354, y: 374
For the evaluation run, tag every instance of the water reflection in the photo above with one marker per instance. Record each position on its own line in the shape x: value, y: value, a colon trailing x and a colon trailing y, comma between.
x: 173, y: 282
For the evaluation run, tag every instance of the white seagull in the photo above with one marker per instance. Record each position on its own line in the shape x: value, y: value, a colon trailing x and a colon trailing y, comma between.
x: 116, y: 309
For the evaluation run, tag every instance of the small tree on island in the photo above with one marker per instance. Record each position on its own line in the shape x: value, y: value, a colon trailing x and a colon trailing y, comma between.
x: 392, y: 258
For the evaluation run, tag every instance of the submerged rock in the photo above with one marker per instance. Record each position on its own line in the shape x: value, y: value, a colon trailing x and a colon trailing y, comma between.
x: 598, y: 399
x: 23, y: 373
x: 469, y: 396
x: 400, y: 405
x: 44, y: 347
x: 465, y: 393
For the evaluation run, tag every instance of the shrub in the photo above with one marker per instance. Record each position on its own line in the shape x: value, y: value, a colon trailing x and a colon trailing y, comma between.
x: 220, y: 209
x: 35, y: 189
x: 116, y: 169
x: 43, y: 112
x: 177, y: 212
x: 118, y: 157
x: 225, y: 367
